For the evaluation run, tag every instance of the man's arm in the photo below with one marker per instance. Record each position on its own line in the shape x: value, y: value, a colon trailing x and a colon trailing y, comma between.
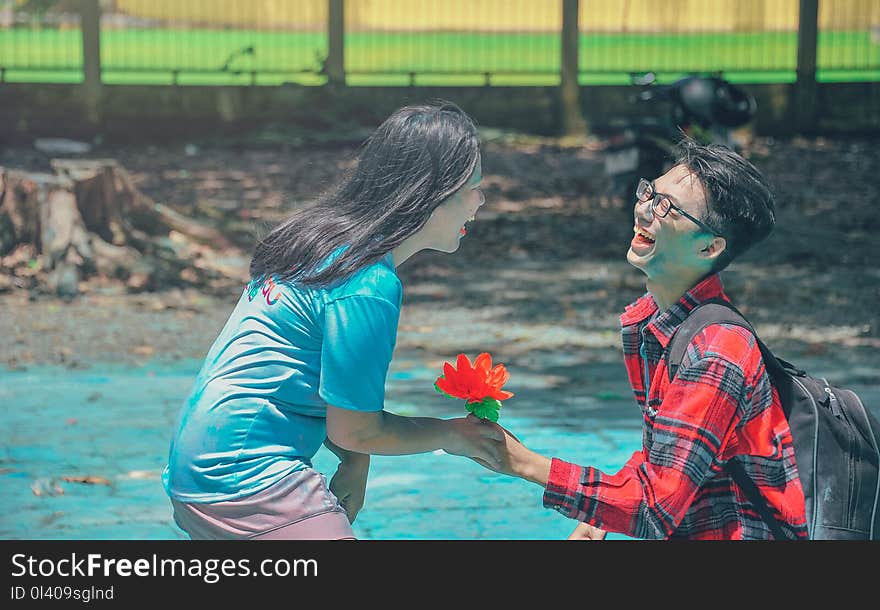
x: 651, y: 493
x: 520, y: 461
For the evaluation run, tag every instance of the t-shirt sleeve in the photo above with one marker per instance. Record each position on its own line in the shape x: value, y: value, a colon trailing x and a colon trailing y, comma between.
x: 359, y: 337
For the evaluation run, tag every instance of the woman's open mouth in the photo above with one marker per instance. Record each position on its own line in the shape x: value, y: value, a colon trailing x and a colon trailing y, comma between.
x: 463, y: 230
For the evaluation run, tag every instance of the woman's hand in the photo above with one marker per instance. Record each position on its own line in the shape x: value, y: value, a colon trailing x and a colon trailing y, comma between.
x: 349, y: 484
x: 475, y: 438
x: 585, y: 531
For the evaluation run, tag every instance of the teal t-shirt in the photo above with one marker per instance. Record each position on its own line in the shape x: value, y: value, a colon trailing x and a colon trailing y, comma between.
x: 257, y: 410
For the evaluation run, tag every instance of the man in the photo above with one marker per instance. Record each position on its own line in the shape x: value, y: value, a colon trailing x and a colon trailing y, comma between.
x: 690, y: 223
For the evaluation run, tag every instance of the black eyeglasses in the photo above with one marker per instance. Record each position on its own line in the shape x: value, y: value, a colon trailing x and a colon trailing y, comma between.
x: 661, y: 203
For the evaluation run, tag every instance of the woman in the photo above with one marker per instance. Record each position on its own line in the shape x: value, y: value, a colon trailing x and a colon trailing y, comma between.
x: 303, y: 358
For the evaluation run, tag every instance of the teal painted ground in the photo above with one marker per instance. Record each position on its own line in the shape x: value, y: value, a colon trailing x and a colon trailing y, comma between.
x: 114, y: 423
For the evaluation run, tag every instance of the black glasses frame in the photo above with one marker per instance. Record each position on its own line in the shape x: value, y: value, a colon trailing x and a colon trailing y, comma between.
x: 645, y: 191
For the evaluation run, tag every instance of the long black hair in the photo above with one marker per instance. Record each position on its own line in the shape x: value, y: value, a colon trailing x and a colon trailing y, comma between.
x: 415, y: 159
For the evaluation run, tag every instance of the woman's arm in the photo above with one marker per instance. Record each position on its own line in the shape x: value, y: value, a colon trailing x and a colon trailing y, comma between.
x: 384, y: 433
x: 345, y: 455
x: 349, y: 484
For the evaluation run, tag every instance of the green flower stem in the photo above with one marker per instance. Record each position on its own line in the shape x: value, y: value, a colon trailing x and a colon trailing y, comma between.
x: 489, y: 408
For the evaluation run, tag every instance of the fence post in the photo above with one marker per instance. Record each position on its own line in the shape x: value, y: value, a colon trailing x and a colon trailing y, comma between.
x: 336, y: 42
x: 805, y: 89
x: 90, y: 23
x: 573, y: 122
x: 7, y: 15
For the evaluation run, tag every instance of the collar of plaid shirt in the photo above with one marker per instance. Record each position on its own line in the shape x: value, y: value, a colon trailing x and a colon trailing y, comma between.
x: 664, y: 325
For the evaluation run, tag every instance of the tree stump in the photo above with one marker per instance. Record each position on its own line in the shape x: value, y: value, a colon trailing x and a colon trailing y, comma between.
x: 89, y: 220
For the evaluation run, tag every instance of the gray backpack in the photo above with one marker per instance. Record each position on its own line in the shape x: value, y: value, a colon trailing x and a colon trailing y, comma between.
x: 835, y: 439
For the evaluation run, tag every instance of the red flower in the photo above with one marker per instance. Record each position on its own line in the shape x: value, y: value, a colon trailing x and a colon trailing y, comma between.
x: 474, y: 383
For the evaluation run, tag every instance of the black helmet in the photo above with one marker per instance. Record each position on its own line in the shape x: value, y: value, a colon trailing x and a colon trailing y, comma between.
x: 713, y: 101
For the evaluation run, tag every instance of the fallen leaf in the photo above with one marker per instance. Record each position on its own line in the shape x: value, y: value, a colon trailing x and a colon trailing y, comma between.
x: 88, y: 479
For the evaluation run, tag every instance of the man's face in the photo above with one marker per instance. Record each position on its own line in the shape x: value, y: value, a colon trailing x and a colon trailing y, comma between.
x: 672, y: 246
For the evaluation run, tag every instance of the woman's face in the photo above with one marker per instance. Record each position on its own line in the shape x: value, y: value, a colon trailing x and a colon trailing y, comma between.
x: 447, y: 225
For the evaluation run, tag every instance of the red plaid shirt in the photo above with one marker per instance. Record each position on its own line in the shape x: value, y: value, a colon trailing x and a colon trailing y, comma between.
x: 719, y: 406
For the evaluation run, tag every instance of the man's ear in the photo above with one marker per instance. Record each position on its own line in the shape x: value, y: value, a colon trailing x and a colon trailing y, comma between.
x: 714, y: 249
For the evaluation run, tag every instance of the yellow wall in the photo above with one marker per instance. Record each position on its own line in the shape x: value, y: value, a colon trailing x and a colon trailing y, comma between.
x: 507, y: 15
x: 306, y: 14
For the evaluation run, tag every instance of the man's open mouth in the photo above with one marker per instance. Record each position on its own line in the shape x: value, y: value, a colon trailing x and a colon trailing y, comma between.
x: 642, y: 236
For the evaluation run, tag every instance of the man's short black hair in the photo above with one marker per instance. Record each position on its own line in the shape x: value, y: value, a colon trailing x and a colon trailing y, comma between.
x: 740, y: 202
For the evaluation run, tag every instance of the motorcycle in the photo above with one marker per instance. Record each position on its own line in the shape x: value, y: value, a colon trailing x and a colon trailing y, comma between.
x: 706, y: 108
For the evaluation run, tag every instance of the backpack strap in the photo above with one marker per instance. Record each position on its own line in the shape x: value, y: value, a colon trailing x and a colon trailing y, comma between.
x: 718, y: 311
x: 739, y: 474
x: 714, y: 311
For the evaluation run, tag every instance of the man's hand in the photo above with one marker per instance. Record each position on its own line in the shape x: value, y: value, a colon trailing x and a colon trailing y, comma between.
x: 515, y: 459
x: 349, y: 484
x: 585, y: 531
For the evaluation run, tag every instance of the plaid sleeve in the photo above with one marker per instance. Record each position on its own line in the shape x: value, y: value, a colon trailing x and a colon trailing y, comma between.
x: 650, y: 495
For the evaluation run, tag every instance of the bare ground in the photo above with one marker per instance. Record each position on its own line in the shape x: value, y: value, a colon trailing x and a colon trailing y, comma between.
x: 542, y: 271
